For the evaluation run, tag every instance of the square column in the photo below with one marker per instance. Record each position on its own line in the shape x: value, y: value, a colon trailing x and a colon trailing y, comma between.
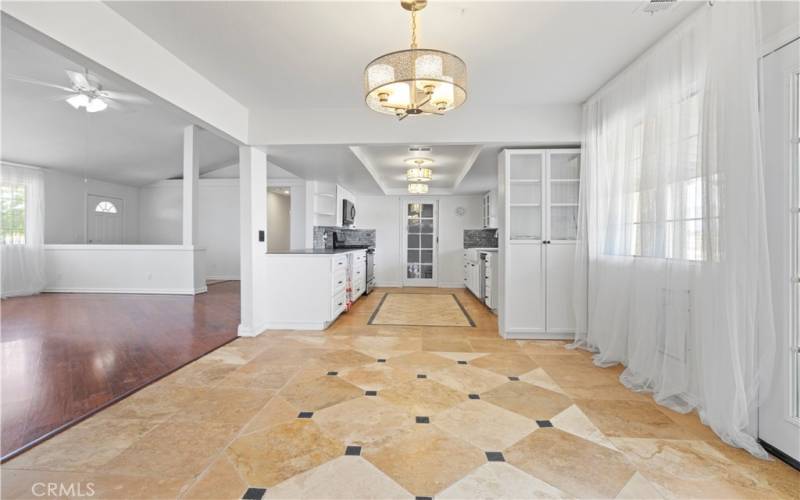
x: 253, y: 239
x: 191, y: 180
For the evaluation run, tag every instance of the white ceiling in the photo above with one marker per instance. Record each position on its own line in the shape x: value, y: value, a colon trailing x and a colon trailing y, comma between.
x: 310, y: 55
x: 137, y: 146
x: 386, y: 163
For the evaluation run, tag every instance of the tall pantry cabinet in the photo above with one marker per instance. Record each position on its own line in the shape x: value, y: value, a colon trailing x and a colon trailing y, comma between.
x: 538, y: 212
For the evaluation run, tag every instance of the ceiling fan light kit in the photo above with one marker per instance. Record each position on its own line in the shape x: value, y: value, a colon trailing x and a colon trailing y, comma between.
x: 415, y: 81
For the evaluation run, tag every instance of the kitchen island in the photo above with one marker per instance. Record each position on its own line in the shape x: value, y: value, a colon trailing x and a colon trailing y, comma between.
x: 310, y: 288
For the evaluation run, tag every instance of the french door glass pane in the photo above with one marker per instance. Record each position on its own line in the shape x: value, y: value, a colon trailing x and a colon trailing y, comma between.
x: 564, y: 166
x: 420, y: 229
x: 526, y: 223
x: 564, y: 225
x: 526, y: 167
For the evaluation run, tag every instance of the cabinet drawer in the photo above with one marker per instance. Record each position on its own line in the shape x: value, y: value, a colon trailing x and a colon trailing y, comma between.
x: 338, y: 304
x: 339, y: 262
x: 339, y: 281
x: 359, y: 256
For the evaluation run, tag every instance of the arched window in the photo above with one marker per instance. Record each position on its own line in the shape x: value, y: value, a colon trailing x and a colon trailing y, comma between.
x: 106, y: 207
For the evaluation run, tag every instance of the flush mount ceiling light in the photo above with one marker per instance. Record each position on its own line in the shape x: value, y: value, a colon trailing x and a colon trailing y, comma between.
x: 419, y: 161
x: 419, y: 174
x: 417, y: 188
x: 415, y: 81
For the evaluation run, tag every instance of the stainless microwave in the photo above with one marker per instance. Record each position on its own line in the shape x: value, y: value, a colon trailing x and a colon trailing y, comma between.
x: 348, y: 213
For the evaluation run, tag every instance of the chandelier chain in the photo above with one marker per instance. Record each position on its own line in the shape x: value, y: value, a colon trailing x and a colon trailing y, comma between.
x: 413, y: 28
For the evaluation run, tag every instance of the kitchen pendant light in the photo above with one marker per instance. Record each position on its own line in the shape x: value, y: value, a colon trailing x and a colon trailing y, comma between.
x: 415, y: 81
x: 418, y: 188
x: 419, y: 174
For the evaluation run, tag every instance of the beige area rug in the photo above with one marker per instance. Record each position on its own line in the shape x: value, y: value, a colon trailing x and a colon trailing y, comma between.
x: 417, y: 309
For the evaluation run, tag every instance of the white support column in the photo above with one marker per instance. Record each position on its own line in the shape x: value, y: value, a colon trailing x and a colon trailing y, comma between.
x: 191, y: 180
x: 253, y: 234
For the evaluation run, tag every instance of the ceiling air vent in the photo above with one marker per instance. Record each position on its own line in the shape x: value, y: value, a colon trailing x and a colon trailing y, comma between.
x: 653, y: 6
x: 419, y: 149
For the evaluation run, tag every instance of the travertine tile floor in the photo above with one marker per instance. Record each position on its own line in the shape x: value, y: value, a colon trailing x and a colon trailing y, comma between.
x: 383, y: 411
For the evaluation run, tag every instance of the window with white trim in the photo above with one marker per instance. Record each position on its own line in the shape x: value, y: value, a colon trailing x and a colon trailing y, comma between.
x: 106, y: 207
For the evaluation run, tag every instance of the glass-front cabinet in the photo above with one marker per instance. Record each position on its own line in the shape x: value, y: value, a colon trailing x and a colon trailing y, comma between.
x: 543, y: 194
x: 538, y: 207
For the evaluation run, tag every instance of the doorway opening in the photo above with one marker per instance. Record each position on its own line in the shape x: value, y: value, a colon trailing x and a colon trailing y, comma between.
x: 279, y: 202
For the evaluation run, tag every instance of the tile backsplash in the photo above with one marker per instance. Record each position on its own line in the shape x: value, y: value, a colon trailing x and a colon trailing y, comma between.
x: 480, y: 238
x: 323, y: 236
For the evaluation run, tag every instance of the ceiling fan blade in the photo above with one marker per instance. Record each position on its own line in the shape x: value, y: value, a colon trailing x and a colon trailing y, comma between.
x: 60, y: 97
x: 124, y: 97
x: 24, y: 79
x: 79, y: 80
x: 115, y: 105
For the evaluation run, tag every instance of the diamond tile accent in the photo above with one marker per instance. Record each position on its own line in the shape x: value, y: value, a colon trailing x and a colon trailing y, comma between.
x: 474, y: 396
x: 254, y: 494
x: 544, y: 423
x: 371, y: 393
x: 495, y: 456
x: 352, y: 451
x: 333, y: 373
x: 513, y: 379
x: 421, y: 375
x: 305, y: 414
x: 423, y: 420
x: 462, y: 362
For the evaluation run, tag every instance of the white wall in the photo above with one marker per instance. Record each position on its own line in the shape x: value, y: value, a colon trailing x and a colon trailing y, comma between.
x: 383, y: 213
x: 65, y: 207
x: 160, y: 221
x: 278, y: 222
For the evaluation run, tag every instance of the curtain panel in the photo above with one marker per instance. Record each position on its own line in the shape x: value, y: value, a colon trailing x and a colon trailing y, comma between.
x: 22, y: 228
x: 672, y: 224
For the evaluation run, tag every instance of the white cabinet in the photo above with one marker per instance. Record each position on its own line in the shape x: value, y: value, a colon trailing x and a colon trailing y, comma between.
x: 308, y: 291
x: 489, y: 210
x: 538, y: 199
x: 472, y: 273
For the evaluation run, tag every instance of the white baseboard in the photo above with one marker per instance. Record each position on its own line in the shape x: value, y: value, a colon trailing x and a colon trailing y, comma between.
x: 244, y: 331
x: 452, y: 284
x: 223, y: 277
x: 137, y: 291
x: 523, y: 334
x: 299, y: 325
x: 202, y: 289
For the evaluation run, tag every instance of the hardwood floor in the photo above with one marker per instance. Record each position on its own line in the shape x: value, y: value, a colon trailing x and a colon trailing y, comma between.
x: 64, y: 356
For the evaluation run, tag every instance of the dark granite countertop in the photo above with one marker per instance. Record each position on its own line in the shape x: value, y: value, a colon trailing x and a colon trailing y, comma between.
x: 312, y: 251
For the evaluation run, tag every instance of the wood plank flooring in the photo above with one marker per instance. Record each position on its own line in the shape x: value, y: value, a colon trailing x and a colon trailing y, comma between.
x: 64, y: 356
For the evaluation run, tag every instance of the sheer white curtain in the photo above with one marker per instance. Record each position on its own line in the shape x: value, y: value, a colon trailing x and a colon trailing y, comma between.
x: 673, y: 225
x: 22, y: 231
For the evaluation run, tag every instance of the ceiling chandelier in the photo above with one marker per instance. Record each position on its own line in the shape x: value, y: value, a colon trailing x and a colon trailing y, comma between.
x: 419, y: 174
x: 415, y: 81
x: 418, y: 188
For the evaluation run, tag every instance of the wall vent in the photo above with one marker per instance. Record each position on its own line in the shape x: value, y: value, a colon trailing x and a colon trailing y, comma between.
x: 653, y: 6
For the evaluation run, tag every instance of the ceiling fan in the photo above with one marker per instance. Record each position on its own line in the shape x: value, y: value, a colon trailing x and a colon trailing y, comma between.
x: 87, y: 92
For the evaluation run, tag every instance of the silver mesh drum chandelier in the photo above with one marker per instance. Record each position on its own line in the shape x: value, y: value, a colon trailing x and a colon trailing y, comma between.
x: 415, y: 81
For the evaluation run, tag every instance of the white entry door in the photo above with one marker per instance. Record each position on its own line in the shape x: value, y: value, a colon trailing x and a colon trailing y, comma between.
x: 420, y: 241
x: 779, y: 415
x: 104, y: 220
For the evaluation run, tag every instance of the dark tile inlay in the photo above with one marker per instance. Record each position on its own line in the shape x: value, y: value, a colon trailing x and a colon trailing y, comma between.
x: 353, y: 451
x: 333, y: 373
x: 381, y: 360
x: 423, y: 498
x: 474, y: 396
x: 254, y: 493
x: 421, y: 375
x: 462, y: 362
x: 495, y: 456
x: 513, y: 379
x: 371, y: 393
x: 423, y: 420
x: 305, y: 414
x: 544, y: 423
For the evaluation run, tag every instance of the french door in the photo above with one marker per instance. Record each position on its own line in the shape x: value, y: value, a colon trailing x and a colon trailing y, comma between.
x: 420, y: 241
x: 779, y: 415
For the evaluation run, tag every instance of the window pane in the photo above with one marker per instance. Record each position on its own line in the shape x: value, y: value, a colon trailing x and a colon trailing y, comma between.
x: 427, y: 210
x: 426, y: 256
x: 414, y: 209
x: 413, y: 241
x: 12, y: 206
x: 427, y: 227
x: 413, y: 226
x: 426, y: 271
x: 427, y: 241
x: 413, y: 256
x: 413, y: 271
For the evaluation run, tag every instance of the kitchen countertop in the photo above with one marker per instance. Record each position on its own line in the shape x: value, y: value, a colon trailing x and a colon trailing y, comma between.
x: 314, y: 251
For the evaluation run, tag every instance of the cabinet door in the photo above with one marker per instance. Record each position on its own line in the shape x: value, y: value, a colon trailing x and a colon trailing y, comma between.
x: 525, y: 195
x: 524, y: 300
x: 560, y: 264
x: 563, y: 177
